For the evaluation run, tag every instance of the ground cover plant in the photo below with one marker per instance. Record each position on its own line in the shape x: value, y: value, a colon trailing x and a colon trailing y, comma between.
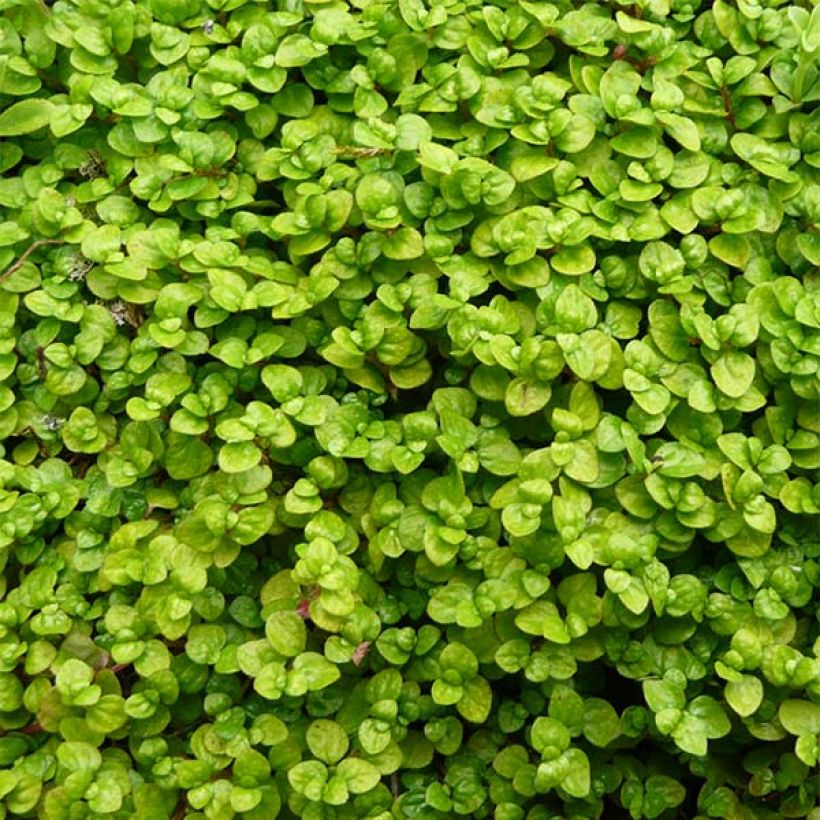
x: 409, y: 409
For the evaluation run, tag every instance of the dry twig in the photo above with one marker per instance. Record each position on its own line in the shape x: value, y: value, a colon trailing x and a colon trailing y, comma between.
x: 39, y: 243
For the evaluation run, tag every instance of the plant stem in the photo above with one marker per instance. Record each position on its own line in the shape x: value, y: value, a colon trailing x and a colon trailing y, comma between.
x: 39, y: 243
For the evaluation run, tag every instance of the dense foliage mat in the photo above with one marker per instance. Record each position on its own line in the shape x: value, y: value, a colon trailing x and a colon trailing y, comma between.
x: 409, y: 409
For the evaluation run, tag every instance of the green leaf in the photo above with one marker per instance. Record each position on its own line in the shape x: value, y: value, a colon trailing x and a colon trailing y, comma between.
x: 187, y: 457
x: 523, y: 397
x: 316, y: 671
x: 78, y: 756
x: 542, y: 618
x: 799, y: 717
x: 11, y: 692
x: 270, y: 681
x: 238, y: 456
x: 297, y: 50
x: 404, y: 244
x: 476, y: 700
x: 662, y: 793
x: 661, y: 263
x: 548, y: 733
x: 690, y: 736
x: 25, y: 116
x: 574, y: 261
x: 711, y: 715
x: 327, y: 740
x: 733, y: 249
x: 268, y: 730
x: 744, y: 695
x: 600, y: 721
x: 286, y: 632
x: 577, y: 782
x: 458, y: 657
x: 679, y: 461
x: 359, y: 775
x: 681, y: 129
x: 411, y: 131
x: 437, y: 157
x: 734, y: 373
x: 305, y: 774
x: 662, y: 694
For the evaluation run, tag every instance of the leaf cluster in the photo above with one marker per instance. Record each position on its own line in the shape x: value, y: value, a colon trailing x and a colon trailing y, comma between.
x: 409, y: 409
